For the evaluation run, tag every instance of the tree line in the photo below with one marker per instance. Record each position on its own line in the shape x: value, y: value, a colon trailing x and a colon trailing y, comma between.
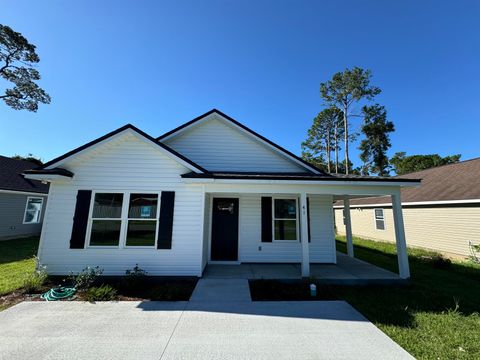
x: 331, y: 133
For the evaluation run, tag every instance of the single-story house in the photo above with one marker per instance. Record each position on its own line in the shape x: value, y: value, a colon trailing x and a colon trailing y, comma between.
x: 443, y: 214
x: 21, y: 200
x: 209, y: 191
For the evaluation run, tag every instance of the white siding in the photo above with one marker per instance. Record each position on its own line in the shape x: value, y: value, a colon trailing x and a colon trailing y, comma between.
x: 130, y: 164
x: 216, y: 146
x: 322, y: 246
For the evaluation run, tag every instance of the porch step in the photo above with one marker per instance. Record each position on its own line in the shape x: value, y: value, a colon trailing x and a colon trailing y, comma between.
x: 221, y: 290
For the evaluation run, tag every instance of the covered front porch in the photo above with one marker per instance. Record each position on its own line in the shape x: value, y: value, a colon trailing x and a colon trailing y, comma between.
x: 299, y: 240
x: 347, y: 271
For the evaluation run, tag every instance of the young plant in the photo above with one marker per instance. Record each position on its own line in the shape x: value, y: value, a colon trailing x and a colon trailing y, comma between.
x: 135, y: 277
x: 101, y: 293
x: 85, y: 278
x: 34, y: 281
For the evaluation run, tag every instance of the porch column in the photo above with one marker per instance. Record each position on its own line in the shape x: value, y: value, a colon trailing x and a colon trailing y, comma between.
x: 403, y: 267
x: 348, y: 225
x: 304, y: 236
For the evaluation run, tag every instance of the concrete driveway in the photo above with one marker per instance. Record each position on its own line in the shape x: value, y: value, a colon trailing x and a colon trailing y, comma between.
x: 191, y: 330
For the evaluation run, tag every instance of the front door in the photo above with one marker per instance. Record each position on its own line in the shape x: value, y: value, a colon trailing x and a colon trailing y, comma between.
x: 224, y: 245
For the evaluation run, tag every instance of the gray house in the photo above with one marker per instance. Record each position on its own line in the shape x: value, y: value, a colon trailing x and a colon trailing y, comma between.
x: 22, y: 201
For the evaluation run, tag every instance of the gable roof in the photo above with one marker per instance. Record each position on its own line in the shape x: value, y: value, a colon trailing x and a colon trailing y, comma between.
x: 249, y: 131
x: 11, y: 176
x: 179, y: 157
x: 447, y: 183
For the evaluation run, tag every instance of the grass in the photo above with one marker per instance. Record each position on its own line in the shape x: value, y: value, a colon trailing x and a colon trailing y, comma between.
x: 16, y: 261
x: 435, y: 317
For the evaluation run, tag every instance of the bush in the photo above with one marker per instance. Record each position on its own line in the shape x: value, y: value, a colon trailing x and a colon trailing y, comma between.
x: 440, y: 262
x: 134, y: 278
x: 34, y: 281
x: 101, y: 293
x: 85, y: 278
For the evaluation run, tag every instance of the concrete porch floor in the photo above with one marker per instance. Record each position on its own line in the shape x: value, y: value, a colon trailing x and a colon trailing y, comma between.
x: 347, y: 271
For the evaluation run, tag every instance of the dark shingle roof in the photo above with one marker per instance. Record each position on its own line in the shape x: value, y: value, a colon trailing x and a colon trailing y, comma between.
x: 292, y: 176
x: 459, y: 181
x: 11, y: 177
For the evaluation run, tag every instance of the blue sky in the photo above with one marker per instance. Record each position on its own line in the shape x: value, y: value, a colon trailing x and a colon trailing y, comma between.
x: 159, y: 64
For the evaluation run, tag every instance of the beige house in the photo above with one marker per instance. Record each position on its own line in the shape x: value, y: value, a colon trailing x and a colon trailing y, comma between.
x: 443, y: 214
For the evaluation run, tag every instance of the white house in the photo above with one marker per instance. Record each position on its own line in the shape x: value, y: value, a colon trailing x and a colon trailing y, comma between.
x: 209, y: 191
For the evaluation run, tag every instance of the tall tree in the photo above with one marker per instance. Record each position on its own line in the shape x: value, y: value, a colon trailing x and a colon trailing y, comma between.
x: 403, y: 164
x: 30, y: 157
x: 343, y: 91
x: 322, y: 138
x: 376, y: 129
x: 17, y: 61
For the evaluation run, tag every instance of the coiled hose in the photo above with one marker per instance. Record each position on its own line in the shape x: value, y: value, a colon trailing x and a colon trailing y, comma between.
x: 59, y: 293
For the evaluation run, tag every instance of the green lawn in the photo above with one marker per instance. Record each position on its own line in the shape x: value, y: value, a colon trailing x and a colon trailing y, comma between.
x: 436, y: 317
x: 16, y: 260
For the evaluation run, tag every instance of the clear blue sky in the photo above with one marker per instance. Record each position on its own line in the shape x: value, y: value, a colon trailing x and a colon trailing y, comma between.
x: 158, y: 64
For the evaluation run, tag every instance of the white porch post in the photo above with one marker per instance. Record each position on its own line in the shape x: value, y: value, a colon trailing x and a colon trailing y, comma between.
x: 348, y: 225
x: 304, y: 236
x: 403, y: 267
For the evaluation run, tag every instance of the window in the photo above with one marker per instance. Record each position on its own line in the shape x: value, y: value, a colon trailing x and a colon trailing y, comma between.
x: 106, y: 219
x: 33, y: 210
x: 379, y: 219
x: 285, y: 217
x: 142, y: 220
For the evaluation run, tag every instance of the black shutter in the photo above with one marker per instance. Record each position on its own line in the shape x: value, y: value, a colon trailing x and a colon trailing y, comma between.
x: 165, y: 222
x: 266, y: 219
x: 80, y: 219
x: 308, y: 218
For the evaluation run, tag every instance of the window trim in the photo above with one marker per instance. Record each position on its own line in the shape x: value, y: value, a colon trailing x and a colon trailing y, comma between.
x: 26, y: 208
x: 382, y: 219
x: 297, y: 224
x: 122, y: 241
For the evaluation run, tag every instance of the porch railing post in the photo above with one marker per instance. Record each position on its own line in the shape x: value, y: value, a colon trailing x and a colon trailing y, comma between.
x: 348, y: 225
x: 304, y: 236
x: 403, y: 266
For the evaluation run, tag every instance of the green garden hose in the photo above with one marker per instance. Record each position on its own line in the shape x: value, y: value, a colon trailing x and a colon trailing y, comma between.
x: 59, y: 293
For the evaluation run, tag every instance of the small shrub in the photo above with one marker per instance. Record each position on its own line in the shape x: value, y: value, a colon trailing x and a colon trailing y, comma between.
x: 134, y: 278
x: 101, y: 293
x: 85, y: 278
x: 440, y: 262
x: 34, y: 281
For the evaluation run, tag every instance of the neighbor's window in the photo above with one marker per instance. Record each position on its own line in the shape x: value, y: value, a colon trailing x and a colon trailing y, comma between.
x: 33, y: 210
x: 285, y: 219
x: 142, y: 220
x: 106, y: 219
x: 379, y: 219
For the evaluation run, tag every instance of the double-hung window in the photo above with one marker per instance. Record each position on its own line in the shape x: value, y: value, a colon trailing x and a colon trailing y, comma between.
x: 285, y: 219
x: 127, y: 219
x: 379, y: 219
x: 142, y: 220
x: 106, y: 219
x: 33, y: 210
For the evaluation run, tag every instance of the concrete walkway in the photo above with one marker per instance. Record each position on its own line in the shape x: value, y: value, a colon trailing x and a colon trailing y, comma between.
x: 221, y: 290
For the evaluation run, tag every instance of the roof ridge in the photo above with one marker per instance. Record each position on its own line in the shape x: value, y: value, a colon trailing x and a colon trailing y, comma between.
x: 247, y: 129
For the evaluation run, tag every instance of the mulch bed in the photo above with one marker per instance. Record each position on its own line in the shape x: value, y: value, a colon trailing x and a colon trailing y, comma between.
x: 148, y: 290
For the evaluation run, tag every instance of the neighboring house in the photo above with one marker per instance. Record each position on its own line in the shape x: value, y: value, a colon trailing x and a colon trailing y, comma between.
x: 211, y: 190
x: 22, y: 201
x: 443, y: 214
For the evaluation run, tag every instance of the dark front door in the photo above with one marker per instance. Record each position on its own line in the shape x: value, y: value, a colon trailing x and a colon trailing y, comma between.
x: 224, y: 229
